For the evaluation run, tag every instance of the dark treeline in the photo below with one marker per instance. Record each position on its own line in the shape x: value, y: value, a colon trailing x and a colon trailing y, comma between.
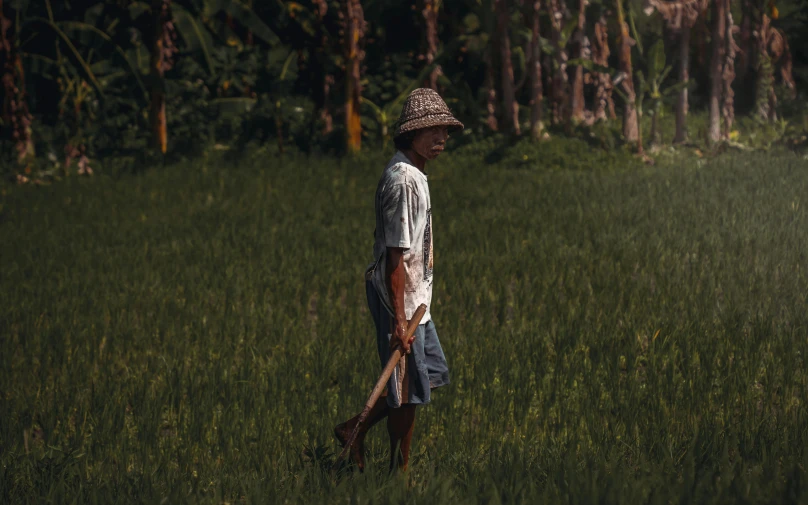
x: 86, y: 79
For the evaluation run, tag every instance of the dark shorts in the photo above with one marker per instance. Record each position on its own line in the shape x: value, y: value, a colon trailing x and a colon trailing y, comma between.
x: 426, y: 366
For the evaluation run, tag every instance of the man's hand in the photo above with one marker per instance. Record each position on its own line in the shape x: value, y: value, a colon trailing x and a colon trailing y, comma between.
x: 395, y: 280
x: 399, y: 338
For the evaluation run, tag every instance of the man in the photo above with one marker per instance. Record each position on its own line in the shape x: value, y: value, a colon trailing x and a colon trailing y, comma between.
x: 400, y: 278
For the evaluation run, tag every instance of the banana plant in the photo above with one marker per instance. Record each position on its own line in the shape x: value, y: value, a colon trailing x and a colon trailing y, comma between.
x: 77, y: 61
x: 556, y: 47
x: 65, y: 34
x: 658, y: 70
x: 387, y: 115
x: 197, y: 24
x: 651, y: 82
x: 648, y: 83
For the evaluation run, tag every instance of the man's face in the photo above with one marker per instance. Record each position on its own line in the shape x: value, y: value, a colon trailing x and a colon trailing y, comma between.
x: 429, y: 142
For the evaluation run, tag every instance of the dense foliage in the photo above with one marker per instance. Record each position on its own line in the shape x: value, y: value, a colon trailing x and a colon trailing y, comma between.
x: 616, y: 333
x: 83, y: 80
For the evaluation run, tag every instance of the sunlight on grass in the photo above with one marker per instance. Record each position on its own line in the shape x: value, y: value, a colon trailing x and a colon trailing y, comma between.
x: 616, y: 333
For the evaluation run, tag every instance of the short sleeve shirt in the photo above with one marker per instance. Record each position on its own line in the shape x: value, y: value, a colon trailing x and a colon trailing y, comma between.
x: 404, y: 219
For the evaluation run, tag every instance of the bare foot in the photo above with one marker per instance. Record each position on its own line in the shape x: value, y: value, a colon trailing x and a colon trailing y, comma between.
x: 342, y: 432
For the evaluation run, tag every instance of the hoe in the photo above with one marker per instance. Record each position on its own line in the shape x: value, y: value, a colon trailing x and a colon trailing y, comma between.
x: 383, y: 378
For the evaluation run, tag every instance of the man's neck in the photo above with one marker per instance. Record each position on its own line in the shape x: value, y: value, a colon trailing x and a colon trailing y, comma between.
x: 416, y: 159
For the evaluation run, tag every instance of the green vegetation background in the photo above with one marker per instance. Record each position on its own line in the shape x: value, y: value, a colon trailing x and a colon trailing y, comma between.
x: 616, y: 332
x: 256, y: 75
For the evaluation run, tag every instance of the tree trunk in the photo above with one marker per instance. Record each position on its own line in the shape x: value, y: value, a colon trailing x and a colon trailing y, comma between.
x: 15, y: 101
x: 279, y: 130
x: 163, y: 50
x: 640, y: 149
x: 578, y: 105
x: 510, y: 109
x: 600, y: 56
x: 773, y: 52
x: 765, y: 100
x: 728, y: 72
x: 560, y: 82
x: 536, y: 93
x: 716, y: 66
x: 747, y: 40
x: 354, y: 33
x: 699, y: 33
x: 630, y: 126
x: 654, y: 122
x: 6, y: 66
x: 322, y: 97
x: 491, y: 92
x: 786, y: 66
x: 325, y: 112
x: 430, y: 12
x: 684, y: 76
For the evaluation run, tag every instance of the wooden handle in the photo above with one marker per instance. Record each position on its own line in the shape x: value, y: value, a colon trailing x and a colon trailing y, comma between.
x: 395, y: 356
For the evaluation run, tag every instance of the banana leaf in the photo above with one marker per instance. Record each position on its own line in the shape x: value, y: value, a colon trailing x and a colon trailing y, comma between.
x: 139, y: 58
x: 75, y: 26
x: 546, y: 46
x: 590, y: 65
x: 196, y: 36
x: 228, y: 107
x: 303, y: 16
x: 520, y: 61
x: 656, y: 60
x: 103, y: 68
x: 93, y: 14
x: 665, y: 73
x: 635, y: 34
x: 675, y: 88
x: 471, y: 22
x: 42, y: 65
x: 85, y: 67
x: 247, y: 17
x: 285, y: 68
x: 137, y: 9
x: 566, y: 32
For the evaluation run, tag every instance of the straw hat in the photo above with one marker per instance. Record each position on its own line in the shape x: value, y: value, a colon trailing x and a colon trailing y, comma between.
x: 424, y: 108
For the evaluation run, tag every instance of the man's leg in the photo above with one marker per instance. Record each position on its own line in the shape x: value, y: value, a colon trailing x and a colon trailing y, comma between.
x: 343, y: 430
x: 400, y: 424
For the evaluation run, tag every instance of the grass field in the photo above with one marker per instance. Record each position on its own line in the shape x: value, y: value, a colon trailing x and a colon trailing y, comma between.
x: 616, y: 332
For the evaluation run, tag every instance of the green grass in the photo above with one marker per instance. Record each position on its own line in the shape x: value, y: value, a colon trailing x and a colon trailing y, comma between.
x: 616, y: 332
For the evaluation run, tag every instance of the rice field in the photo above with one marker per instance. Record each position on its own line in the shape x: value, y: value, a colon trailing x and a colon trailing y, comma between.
x: 616, y: 332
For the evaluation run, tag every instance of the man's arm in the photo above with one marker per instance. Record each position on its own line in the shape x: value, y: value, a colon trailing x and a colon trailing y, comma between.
x: 396, y: 278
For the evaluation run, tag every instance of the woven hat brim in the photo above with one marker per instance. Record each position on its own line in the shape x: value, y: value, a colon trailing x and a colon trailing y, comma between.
x: 429, y: 121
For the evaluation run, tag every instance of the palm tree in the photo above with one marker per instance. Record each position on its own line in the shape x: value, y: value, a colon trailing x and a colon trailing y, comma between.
x: 719, y: 35
x: 162, y: 55
x: 680, y: 16
x: 490, y: 91
x: 536, y: 94
x: 327, y: 79
x: 630, y: 126
x: 728, y: 70
x: 559, y: 34
x: 15, y: 102
x: 577, y: 100
x: 746, y: 38
x: 600, y: 56
x: 773, y: 52
x: 430, y: 13
x: 510, y: 109
x: 353, y: 32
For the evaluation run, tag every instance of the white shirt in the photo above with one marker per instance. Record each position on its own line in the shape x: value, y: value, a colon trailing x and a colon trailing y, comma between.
x: 404, y: 219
